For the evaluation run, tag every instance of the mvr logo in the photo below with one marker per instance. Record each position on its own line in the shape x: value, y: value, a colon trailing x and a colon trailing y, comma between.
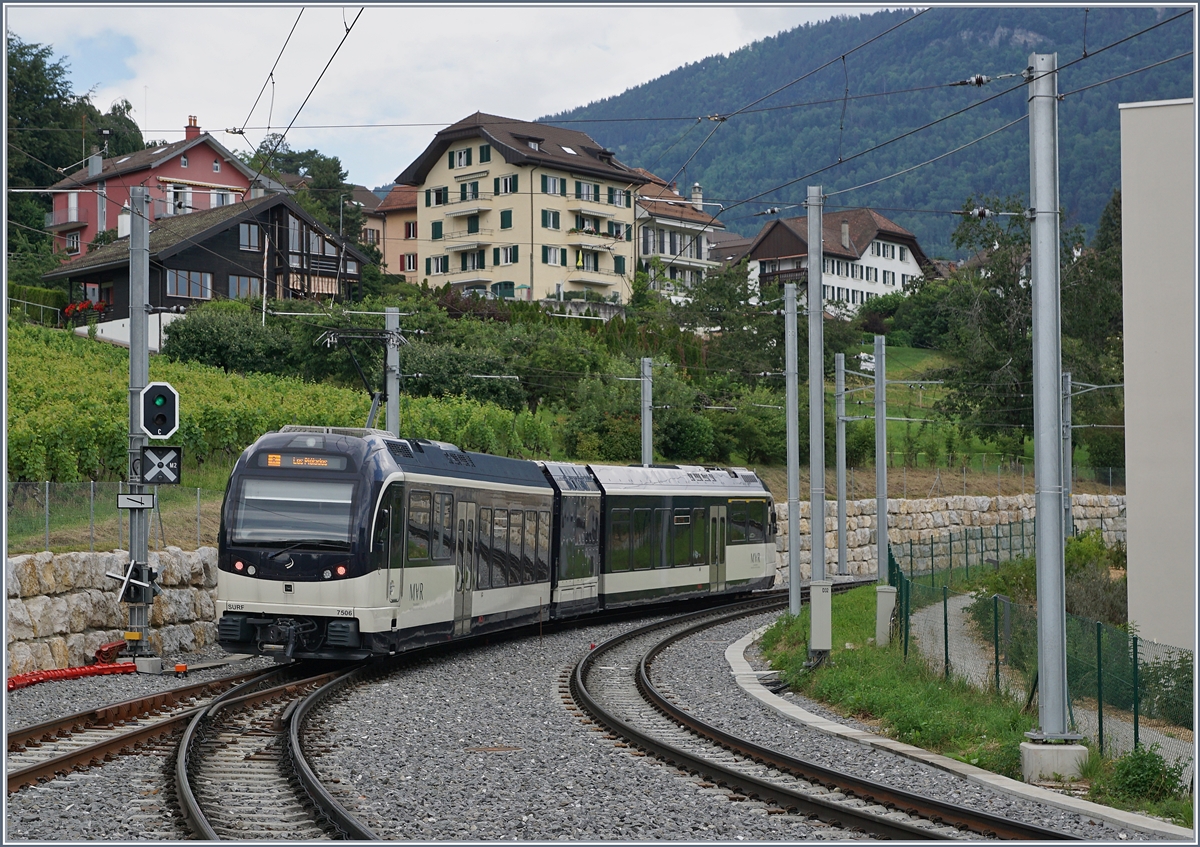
x: 416, y: 591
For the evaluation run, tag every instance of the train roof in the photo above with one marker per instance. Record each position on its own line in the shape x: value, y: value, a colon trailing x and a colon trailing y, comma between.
x: 636, y: 479
x: 568, y: 477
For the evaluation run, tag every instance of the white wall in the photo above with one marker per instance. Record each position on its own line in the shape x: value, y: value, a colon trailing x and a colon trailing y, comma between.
x: 1158, y: 237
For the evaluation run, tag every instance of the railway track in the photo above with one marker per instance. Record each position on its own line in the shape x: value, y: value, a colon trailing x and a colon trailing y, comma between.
x: 75, y: 742
x: 240, y: 771
x: 613, y: 685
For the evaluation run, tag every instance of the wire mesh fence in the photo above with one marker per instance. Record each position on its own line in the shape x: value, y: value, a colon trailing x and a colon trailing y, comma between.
x: 1123, y: 691
x: 68, y: 517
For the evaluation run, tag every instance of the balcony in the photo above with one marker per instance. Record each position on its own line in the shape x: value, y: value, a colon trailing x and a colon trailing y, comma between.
x: 470, y: 206
x: 460, y: 240
x: 64, y: 219
x: 587, y: 277
x: 588, y: 238
x: 591, y: 207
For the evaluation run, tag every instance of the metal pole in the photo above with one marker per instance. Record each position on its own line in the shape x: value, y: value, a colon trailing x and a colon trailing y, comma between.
x: 1067, y: 456
x: 392, y: 367
x: 946, y: 628
x: 139, y: 367
x: 816, y: 382
x: 881, y: 519
x: 1047, y: 406
x: 197, y: 518
x: 92, y: 516
x: 47, y: 513
x: 793, y: 445
x: 839, y: 363
x: 1099, y: 686
x: 648, y: 415
x: 1137, y: 700
x: 996, y: 636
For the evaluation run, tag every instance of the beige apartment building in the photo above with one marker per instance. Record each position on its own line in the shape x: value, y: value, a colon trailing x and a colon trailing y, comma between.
x: 523, y: 211
x: 397, y: 215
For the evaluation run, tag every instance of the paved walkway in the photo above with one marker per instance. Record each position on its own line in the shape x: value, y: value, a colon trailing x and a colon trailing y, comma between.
x: 974, y: 660
x: 748, y: 679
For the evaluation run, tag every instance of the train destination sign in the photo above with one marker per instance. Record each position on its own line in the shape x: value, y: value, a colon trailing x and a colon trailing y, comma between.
x: 300, y: 460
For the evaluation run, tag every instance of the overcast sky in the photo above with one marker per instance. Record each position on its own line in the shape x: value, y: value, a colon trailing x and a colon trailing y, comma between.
x: 392, y: 72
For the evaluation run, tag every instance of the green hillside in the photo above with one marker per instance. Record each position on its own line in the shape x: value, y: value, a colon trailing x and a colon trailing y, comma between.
x: 777, y: 141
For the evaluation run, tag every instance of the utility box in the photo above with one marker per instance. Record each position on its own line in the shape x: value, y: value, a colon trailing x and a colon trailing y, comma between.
x: 885, y: 604
x: 820, y: 599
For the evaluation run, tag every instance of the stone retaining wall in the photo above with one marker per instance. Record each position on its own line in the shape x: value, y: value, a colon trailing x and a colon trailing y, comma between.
x: 991, y: 525
x: 62, y: 607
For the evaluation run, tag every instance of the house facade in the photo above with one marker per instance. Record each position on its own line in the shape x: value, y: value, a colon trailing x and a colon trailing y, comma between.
x: 677, y: 232
x: 192, y: 175
x: 864, y: 254
x: 223, y: 253
x: 523, y: 210
x: 397, y: 217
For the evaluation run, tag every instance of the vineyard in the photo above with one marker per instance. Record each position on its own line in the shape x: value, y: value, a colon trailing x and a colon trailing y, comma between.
x: 68, y: 417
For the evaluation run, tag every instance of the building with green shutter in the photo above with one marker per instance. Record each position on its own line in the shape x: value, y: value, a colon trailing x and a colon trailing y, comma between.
x: 523, y: 210
x: 674, y: 231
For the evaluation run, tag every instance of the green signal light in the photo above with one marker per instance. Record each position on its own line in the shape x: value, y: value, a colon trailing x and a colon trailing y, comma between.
x: 159, y: 400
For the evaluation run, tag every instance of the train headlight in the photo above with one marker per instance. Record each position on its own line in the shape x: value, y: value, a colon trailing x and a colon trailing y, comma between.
x: 237, y: 566
x: 327, y: 574
x: 341, y: 570
x: 250, y: 570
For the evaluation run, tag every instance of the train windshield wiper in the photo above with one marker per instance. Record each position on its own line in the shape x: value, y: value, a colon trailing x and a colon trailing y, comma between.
x: 324, y: 543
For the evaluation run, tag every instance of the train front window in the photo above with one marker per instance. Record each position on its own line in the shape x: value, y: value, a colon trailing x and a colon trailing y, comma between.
x: 282, y: 510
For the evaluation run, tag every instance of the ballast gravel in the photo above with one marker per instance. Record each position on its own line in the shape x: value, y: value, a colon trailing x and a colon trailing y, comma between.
x: 481, y: 746
x: 696, y: 672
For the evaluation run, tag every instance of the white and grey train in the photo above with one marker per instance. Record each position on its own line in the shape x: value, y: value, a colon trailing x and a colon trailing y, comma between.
x: 348, y: 543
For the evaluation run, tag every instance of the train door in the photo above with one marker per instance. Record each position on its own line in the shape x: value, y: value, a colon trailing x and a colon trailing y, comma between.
x: 717, y: 517
x: 464, y: 567
x: 393, y: 516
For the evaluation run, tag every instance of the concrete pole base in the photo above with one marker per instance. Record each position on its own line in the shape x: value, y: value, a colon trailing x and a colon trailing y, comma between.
x: 149, y: 664
x: 1047, y: 761
x: 885, y: 603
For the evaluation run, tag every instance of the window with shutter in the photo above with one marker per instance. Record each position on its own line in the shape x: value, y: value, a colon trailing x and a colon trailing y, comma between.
x: 436, y: 228
x: 506, y: 219
x: 619, y: 264
x: 513, y: 256
x: 578, y: 190
x: 545, y: 219
x: 545, y: 255
x: 428, y: 262
x: 462, y: 192
x: 545, y: 184
x: 463, y: 259
x: 485, y: 153
x: 482, y: 255
x: 451, y: 162
x: 473, y: 224
x: 563, y: 256
x: 629, y: 232
x: 427, y: 193
x: 628, y: 199
x: 611, y: 192
x: 513, y: 189
x: 495, y: 253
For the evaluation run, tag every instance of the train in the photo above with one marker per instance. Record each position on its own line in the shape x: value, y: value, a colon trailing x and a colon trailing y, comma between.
x: 348, y: 543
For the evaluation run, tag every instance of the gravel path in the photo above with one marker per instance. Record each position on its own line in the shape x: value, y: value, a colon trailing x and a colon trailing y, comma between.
x: 696, y: 672
x: 481, y: 746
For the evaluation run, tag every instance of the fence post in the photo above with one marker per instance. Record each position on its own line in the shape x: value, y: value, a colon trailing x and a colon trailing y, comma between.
x: 1137, y: 700
x: 932, y: 562
x: 1099, y: 688
x: 996, y: 635
x: 967, y: 551
x: 197, y: 518
x: 946, y: 626
x: 92, y: 516
x: 907, y: 615
x: 47, y: 515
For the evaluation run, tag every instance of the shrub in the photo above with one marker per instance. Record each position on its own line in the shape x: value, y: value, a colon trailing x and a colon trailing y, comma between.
x: 1143, y: 774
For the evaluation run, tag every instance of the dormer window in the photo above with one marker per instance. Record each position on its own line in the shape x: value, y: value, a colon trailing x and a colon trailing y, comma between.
x: 183, y: 161
x: 569, y: 150
x: 533, y: 145
x: 216, y: 166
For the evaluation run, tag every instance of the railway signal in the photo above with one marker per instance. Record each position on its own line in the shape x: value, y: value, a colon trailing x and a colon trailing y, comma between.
x: 160, y: 410
x: 160, y: 465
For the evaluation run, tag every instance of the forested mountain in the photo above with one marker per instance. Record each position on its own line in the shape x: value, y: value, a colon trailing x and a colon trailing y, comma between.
x: 866, y: 97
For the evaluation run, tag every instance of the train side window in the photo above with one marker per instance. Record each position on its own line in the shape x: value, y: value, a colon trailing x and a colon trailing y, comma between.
x: 419, y: 504
x: 529, y: 550
x: 660, y: 554
x: 699, y: 538
x: 758, y: 521
x: 379, y: 544
x: 483, y: 544
x: 543, y: 561
x: 642, y: 546
x: 396, y: 507
x: 682, y: 531
x: 737, y: 521
x: 618, y: 541
x: 499, y: 548
x: 443, y: 526
x: 516, y: 534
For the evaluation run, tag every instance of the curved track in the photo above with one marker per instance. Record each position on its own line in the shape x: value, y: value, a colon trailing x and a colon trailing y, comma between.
x: 240, y: 774
x: 613, y: 684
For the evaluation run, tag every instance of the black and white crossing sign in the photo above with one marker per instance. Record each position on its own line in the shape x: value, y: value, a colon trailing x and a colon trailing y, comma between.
x: 160, y: 465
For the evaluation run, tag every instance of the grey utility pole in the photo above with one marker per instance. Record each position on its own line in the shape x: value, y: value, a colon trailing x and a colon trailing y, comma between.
x: 139, y: 374
x: 392, y: 366
x: 839, y: 389
x: 647, y: 414
x: 816, y: 383
x: 1068, y: 458
x: 1042, y: 77
x: 791, y: 379
x: 881, y: 498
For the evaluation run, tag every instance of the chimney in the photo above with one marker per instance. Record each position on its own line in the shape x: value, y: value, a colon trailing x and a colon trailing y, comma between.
x: 123, y: 222
x: 95, y: 162
x: 697, y: 197
x: 846, y: 234
x: 193, y: 129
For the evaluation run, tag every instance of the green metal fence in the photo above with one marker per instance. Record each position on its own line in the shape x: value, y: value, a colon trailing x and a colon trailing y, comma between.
x: 67, y: 517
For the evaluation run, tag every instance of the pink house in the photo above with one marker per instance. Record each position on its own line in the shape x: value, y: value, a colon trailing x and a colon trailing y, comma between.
x: 194, y: 174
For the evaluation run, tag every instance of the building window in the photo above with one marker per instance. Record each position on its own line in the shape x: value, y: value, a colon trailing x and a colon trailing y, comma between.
x: 183, y: 161
x: 617, y: 196
x: 410, y: 229
x: 485, y: 153
x: 586, y: 191
x: 242, y: 286
x: 504, y: 255
x: 437, y: 196
x: 505, y: 184
x: 554, y: 185
x: 437, y: 265
x: 473, y: 224
x: 533, y: 145
x: 435, y: 230
x: 194, y: 284
x: 903, y: 254
x: 460, y: 158
x: 72, y: 242
x: 351, y: 266
x: 647, y: 241
x: 220, y: 198
x: 372, y: 236
x: 586, y: 224
x: 410, y: 262
x: 248, y: 237
x: 551, y: 219
x: 216, y: 166
x: 586, y: 260
x: 179, y: 200
x: 468, y: 191
x: 619, y: 264
x: 554, y: 255
x: 506, y: 219
x: 473, y: 261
